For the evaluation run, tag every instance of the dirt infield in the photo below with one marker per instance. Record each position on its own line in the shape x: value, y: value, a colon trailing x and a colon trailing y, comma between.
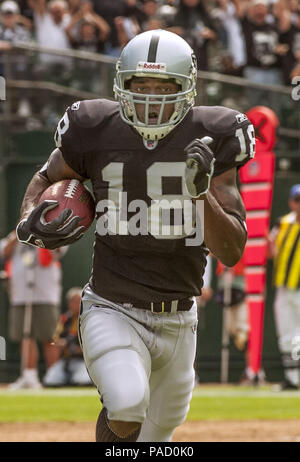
x: 211, y: 431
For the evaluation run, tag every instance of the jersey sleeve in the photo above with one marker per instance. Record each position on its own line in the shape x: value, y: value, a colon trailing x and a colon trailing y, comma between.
x: 235, y: 149
x: 68, y: 139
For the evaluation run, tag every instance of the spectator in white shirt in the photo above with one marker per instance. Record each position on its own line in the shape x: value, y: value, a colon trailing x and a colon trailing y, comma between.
x: 34, y: 292
x: 235, y: 40
x: 14, y: 30
x: 50, y: 22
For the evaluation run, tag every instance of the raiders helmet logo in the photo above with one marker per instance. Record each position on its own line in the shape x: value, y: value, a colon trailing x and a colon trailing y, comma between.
x: 241, y: 118
x: 75, y: 106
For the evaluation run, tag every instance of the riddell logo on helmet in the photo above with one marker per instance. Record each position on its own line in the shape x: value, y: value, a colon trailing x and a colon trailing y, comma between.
x: 155, y: 67
x: 151, y: 66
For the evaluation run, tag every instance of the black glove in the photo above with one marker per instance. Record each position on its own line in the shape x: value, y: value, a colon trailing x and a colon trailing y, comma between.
x: 34, y: 229
x: 199, y: 166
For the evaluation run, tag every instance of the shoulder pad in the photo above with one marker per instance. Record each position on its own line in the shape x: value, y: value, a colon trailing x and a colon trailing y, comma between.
x: 220, y: 120
x: 90, y: 113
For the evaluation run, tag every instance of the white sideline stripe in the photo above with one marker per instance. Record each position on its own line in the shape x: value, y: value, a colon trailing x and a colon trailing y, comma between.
x: 47, y: 392
x: 245, y: 393
x: 197, y: 392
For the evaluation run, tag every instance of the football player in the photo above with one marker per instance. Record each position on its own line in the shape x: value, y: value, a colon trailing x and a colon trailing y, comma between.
x: 139, y: 315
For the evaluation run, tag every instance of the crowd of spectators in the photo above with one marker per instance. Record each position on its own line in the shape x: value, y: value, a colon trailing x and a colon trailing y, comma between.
x: 256, y: 39
x: 251, y: 35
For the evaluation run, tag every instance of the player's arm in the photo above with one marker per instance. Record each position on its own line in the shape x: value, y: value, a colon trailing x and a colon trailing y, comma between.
x: 32, y: 228
x: 224, y: 213
x: 54, y: 170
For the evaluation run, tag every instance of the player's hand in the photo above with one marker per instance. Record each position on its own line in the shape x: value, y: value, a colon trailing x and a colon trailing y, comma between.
x: 61, y: 231
x: 199, y: 166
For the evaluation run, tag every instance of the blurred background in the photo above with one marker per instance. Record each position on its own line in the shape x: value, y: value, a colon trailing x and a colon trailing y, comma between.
x: 57, y: 52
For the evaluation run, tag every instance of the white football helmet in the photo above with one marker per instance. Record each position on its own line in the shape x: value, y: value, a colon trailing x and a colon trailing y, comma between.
x: 160, y: 54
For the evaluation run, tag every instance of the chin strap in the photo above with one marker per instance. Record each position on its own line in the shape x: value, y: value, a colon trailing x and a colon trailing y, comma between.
x: 239, y: 218
x: 156, y: 133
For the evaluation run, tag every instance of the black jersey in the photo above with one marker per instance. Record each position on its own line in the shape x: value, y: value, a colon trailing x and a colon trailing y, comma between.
x: 289, y: 60
x: 126, y: 177
x: 261, y: 41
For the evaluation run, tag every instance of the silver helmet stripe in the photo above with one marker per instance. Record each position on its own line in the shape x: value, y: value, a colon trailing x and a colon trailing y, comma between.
x: 153, y: 49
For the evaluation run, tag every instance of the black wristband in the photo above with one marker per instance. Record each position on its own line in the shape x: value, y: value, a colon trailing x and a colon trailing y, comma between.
x: 239, y: 218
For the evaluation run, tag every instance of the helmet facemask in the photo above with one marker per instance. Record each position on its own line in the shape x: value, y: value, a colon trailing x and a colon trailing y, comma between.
x: 157, y: 54
x: 182, y: 101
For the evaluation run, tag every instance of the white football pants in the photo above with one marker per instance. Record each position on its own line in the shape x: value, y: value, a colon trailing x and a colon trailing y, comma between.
x: 287, y: 321
x: 141, y: 363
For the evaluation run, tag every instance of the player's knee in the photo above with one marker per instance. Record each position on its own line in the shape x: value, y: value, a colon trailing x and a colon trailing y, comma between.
x: 127, y: 400
x: 125, y: 407
x: 115, y: 366
x: 182, y: 405
x: 175, y: 414
x: 123, y: 385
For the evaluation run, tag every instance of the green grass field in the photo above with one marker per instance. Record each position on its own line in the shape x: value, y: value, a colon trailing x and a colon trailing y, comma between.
x: 208, y: 403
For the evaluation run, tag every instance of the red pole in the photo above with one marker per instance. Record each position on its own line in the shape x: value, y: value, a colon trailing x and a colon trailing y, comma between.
x: 257, y: 178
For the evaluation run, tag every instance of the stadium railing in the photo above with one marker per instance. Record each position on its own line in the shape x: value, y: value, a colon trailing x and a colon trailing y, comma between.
x: 33, y: 70
x: 42, y: 82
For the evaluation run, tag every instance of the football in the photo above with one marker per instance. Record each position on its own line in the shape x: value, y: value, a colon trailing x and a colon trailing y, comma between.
x: 74, y: 195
